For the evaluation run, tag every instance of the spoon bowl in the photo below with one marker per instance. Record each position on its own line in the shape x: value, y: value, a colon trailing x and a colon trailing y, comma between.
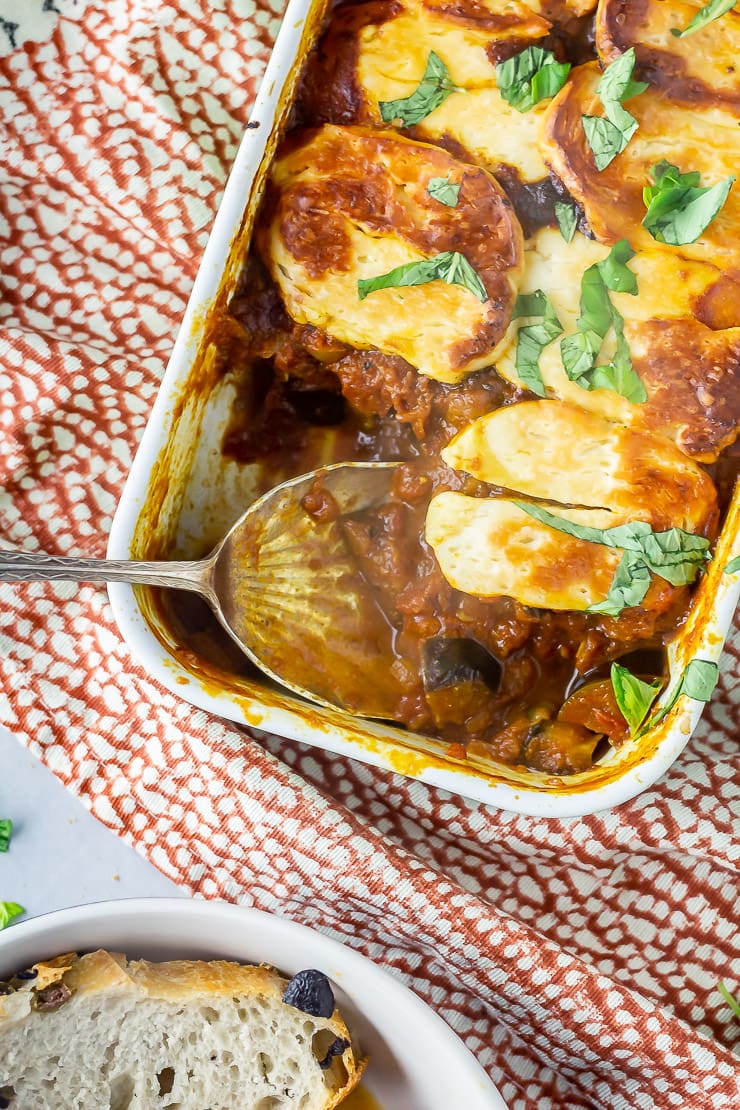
x: 284, y: 585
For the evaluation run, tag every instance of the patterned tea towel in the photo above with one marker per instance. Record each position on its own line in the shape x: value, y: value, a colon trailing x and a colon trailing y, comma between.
x: 578, y: 959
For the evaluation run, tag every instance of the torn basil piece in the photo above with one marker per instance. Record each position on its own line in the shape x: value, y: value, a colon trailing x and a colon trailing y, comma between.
x: 698, y: 681
x: 433, y: 89
x: 675, y: 555
x: 6, y: 831
x: 580, y: 352
x: 530, y: 76
x: 733, y: 566
x: 679, y: 210
x: 608, y: 135
x: 450, y: 266
x: 633, y: 696
x: 533, y: 338
x: 567, y: 218
x: 443, y: 190
x: 711, y: 11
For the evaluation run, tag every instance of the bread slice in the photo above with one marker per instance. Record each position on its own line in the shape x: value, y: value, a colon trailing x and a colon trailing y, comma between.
x: 97, y: 1031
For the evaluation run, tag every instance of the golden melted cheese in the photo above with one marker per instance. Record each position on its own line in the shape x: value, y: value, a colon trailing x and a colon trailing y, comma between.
x: 704, y: 136
x: 702, y: 66
x: 691, y: 371
x: 347, y: 204
x: 601, y: 474
x: 380, y: 52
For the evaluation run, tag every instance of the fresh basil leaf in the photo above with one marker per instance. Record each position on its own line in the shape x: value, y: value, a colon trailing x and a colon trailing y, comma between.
x: 443, y: 190
x: 530, y: 76
x: 581, y: 351
x: 533, y: 338
x: 433, y: 89
x: 711, y: 11
x: 729, y: 999
x: 678, y: 209
x: 633, y: 696
x: 6, y: 831
x: 733, y: 566
x: 450, y: 266
x: 616, y: 83
x: 698, y: 681
x: 9, y: 910
x: 628, y: 587
x: 674, y: 555
x: 614, y: 271
x: 608, y: 135
x: 567, y: 218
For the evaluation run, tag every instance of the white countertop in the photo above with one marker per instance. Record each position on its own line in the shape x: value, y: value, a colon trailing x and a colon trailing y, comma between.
x: 60, y: 855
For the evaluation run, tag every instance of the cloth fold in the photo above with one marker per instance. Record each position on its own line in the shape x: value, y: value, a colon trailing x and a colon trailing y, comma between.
x: 578, y: 959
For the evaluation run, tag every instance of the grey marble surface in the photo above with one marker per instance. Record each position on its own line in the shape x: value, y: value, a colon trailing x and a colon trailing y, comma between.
x: 59, y: 855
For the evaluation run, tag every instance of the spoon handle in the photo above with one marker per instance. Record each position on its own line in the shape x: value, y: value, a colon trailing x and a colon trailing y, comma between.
x: 24, y: 566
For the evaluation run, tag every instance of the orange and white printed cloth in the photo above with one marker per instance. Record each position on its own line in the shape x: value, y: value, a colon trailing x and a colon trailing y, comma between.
x: 578, y: 959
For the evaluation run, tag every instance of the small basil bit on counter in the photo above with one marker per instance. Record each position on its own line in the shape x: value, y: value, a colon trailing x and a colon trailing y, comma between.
x: 6, y: 831
x: 679, y: 210
x: 443, y: 190
x: 597, y: 316
x: 8, y: 911
x: 567, y: 218
x: 450, y: 266
x: 533, y: 338
x: 608, y: 135
x: 530, y: 76
x: 698, y: 682
x: 729, y: 998
x: 733, y: 566
x: 633, y: 696
x: 433, y: 89
x: 711, y: 11
x: 674, y: 555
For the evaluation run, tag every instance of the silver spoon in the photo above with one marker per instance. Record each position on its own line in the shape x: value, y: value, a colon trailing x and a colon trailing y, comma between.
x: 285, y: 587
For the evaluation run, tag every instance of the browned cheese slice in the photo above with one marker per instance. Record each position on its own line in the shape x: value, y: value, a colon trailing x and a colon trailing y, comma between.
x: 379, y: 51
x: 700, y: 68
x: 598, y: 474
x: 683, y: 330
x: 346, y: 204
x: 703, y: 137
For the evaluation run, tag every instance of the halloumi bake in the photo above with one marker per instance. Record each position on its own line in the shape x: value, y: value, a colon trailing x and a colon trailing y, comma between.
x: 499, y: 243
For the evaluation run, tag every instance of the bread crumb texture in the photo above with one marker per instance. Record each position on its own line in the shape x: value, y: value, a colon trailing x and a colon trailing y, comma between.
x: 183, y: 1035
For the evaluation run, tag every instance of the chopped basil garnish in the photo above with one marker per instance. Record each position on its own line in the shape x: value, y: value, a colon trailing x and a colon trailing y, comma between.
x: 729, y: 999
x: 567, y: 218
x: 529, y: 77
x: 433, y: 89
x: 678, y: 209
x: 450, y: 266
x: 608, y: 136
x: 674, y: 555
x: 733, y: 566
x: 443, y: 190
x: 581, y: 351
x: 6, y: 831
x: 633, y: 696
x: 9, y: 910
x: 697, y: 682
x: 533, y: 338
x: 711, y: 11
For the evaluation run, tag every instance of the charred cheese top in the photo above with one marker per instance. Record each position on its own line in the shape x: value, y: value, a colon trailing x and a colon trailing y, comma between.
x: 683, y: 330
x: 346, y: 204
x: 691, y: 69
x: 379, y: 52
x: 702, y: 136
x: 601, y: 474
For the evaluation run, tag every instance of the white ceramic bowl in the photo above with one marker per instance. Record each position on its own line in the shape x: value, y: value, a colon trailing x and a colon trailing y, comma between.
x: 417, y: 1062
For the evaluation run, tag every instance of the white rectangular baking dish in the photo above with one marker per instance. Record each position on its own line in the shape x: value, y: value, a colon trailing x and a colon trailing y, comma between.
x: 181, y: 495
